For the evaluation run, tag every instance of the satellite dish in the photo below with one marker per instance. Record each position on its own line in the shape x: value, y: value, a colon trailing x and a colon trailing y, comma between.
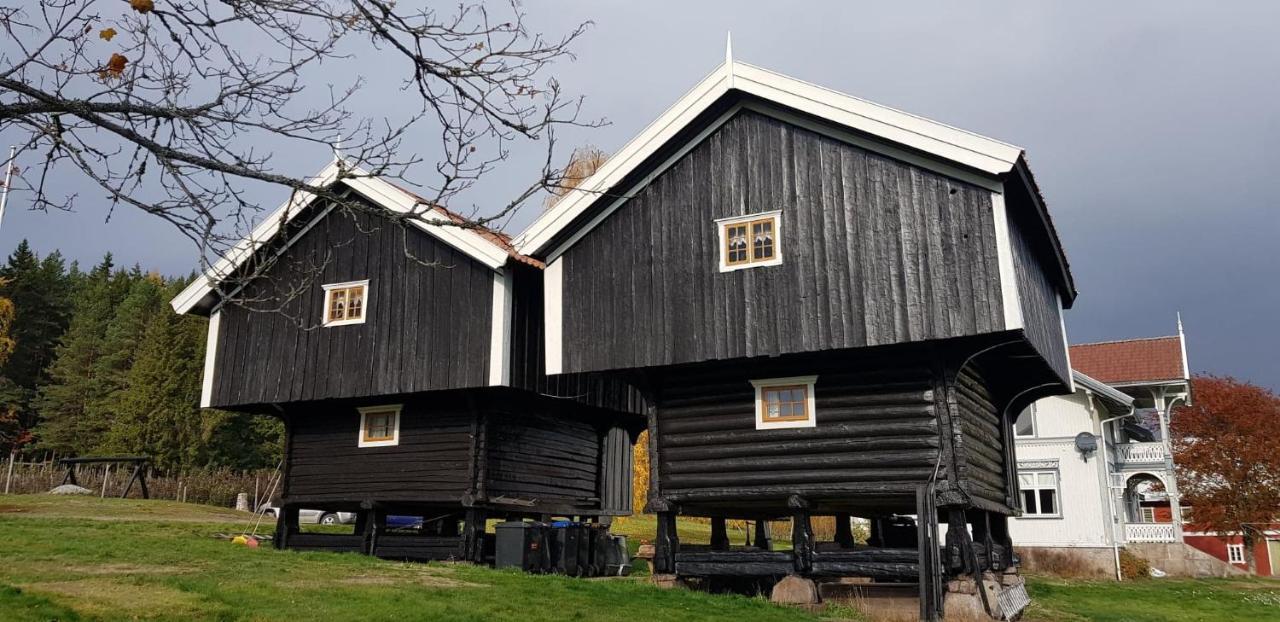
x: 1086, y: 443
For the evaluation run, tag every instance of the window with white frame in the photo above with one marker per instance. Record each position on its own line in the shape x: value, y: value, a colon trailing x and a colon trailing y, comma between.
x: 750, y: 241
x: 1039, y: 493
x: 1025, y: 425
x: 1235, y: 553
x: 785, y: 403
x: 1147, y: 514
x: 346, y: 303
x: 379, y: 426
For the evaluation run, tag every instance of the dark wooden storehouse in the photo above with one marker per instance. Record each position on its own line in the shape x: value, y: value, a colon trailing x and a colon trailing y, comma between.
x: 404, y: 357
x: 832, y: 308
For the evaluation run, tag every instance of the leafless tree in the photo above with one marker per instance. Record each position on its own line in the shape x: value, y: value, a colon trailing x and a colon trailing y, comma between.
x: 175, y: 107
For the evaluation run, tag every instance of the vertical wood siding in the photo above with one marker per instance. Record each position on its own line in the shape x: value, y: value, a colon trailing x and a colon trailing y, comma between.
x: 875, y: 251
x: 325, y: 462
x: 616, y: 471
x: 427, y: 326
x: 1038, y: 297
x: 876, y: 428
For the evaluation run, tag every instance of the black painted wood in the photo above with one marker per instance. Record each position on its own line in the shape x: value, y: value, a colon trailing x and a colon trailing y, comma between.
x: 1038, y: 293
x: 427, y: 326
x: 874, y: 251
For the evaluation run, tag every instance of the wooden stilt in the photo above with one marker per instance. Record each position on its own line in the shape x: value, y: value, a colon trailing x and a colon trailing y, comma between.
x: 666, y: 545
x: 930, y: 576
x: 844, y: 531
x: 473, y: 536
x: 719, y: 535
x: 802, y: 541
x: 764, y: 541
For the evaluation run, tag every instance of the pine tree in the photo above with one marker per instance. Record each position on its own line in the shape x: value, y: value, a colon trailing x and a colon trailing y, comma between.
x: 40, y: 291
x: 64, y: 402
x: 122, y: 337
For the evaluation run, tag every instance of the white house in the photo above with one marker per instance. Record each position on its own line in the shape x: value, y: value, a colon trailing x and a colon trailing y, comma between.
x: 1094, y: 467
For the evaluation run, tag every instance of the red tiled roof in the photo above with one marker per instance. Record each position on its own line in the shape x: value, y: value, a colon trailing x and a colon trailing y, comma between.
x: 1131, y: 360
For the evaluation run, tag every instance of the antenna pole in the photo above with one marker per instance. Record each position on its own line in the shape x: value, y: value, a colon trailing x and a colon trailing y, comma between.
x: 8, y: 178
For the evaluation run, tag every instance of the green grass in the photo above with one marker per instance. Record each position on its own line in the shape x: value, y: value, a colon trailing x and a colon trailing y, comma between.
x: 110, y: 559
x: 1155, y: 600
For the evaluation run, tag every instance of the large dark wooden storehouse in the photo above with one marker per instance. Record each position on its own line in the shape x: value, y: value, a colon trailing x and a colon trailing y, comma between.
x: 832, y: 308
x: 404, y: 357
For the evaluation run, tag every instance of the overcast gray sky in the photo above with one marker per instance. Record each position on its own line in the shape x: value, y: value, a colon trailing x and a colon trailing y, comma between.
x: 1152, y: 128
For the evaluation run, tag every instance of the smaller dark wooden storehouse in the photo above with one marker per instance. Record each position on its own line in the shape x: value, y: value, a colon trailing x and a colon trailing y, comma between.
x: 832, y: 308
x: 405, y: 358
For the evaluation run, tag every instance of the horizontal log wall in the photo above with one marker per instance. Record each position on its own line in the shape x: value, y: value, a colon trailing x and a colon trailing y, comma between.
x: 538, y: 457
x: 876, y: 431
x: 874, y: 251
x: 982, y: 462
x: 427, y: 325
x: 430, y: 463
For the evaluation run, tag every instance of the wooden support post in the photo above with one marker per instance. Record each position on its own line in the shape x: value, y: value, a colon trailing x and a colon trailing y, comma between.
x: 930, y: 576
x: 719, y: 535
x: 364, y: 527
x: 959, y: 546
x: 473, y: 536
x: 142, y: 480
x: 1000, y: 536
x: 377, y: 526
x: 988, y: 544
x: 9, y: 476
x: 666, y: 545
x: 286, y: 525
x: 764, y: 540
x: 802, y: 541
x: 875, y: 532
x: 844, y: 531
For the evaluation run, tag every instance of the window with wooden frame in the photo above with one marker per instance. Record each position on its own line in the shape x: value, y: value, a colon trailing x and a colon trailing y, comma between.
x: 346, y: 303
x: 1039, y: 494
x: 379, y: 426
x: 785, y: 403
x: 750, y: 241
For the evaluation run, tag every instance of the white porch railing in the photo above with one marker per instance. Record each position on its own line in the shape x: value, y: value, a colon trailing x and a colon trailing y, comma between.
x: 1140, y: 453
x: 1149, y: 532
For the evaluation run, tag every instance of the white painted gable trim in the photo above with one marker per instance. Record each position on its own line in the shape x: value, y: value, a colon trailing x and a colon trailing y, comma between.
x: 553, y: 326
x: 500, y: 331
x: 956, y: 145
x: 380, y: 192
x: 210, y: 357
x: 1004, y: 255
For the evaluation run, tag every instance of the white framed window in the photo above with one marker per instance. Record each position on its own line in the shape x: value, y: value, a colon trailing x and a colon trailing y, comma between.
x: 1039, y: 493
x: 1025, y: 425
x: 379, y: 426
x: 750, y: 241
x: 785, y: 403
x: 346, y: 303
x: 1148, y: 514
x: 1235, y: 553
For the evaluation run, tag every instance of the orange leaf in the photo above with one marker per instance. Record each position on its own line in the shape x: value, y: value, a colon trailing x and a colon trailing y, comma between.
x: 143, y: 6
x: 107, y: 34
x: 115, y: 67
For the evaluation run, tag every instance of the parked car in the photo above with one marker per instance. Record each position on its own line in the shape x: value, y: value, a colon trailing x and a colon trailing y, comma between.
x: 314, y: 516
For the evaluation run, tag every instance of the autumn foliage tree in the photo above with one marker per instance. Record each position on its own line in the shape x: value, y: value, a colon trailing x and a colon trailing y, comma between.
x: 1228, y: 457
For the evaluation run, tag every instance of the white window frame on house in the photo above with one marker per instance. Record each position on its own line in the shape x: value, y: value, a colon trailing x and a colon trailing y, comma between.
x: 1030, y: 411
x: 1038, y: 487
x: 763, y: 386
x: 1235, y: 553
x: 1146, y: 514
x: 365, y: 298
x: 724, y: 224
x: 362, y: 438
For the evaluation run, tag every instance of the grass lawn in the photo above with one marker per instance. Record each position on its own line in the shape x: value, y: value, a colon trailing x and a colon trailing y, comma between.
x: 77, y: 558
x: 110, y: 559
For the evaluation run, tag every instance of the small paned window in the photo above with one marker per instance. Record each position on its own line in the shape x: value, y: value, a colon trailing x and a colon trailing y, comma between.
x: 750, y: 241
x: 1235, y: 553
x: 1025, y: 426
x: 785, y: 403
x: 1148, y: 514
x: 1039, y: 493
x: 346, y: 303
x: 379, y: 426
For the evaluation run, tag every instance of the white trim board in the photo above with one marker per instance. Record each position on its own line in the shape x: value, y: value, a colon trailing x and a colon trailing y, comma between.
x: 500, y: 330
x: 377, y: 190
x: 552, y: 316
x: 210, y: 359
x: 965, y: 149
x: 1004, y: 257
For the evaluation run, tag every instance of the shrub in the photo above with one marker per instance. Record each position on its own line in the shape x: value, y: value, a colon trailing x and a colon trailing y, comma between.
x: 1133, y: 567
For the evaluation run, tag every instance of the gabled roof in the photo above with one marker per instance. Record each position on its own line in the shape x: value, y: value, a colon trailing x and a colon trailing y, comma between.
x: 1116, y: 402
x: 1133, y: 361
x: 963, y: 148
x: 487, y: 247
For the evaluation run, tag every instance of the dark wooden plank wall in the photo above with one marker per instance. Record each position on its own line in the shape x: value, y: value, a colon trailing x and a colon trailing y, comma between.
x: 616, y: 470
x: 428, y: 325
x: 981, y: 459
x: 539, y: 457
x: 1038, y: 298
x: 875, y: 251
x: 430, y: 463
x: 876, y: 429
x: 528, y: 357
